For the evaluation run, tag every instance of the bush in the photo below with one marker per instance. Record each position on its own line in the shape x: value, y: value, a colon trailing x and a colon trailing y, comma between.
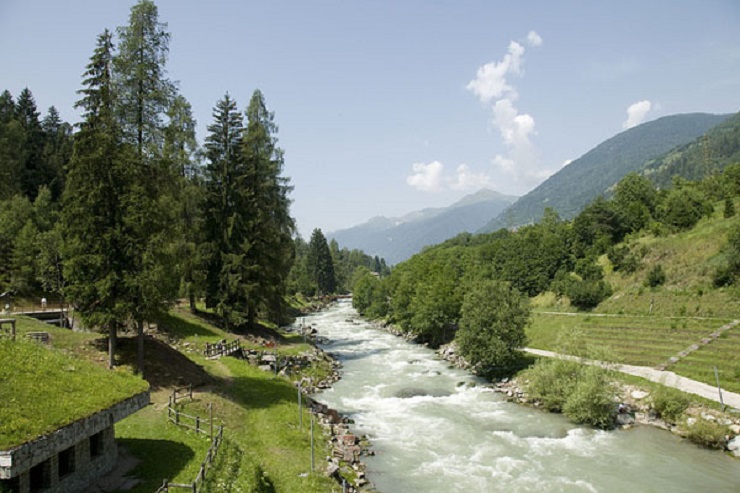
x: 583, y: 393
x: 623, y: 259
x: 591, y: 401
x: 723, y: 276
x: 551, y: 381
x: 587, y: 294
x: 707, y: 434
x: 656, y: 277
x: 669, y: 403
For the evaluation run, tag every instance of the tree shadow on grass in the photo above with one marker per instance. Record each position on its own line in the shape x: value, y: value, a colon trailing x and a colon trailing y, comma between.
x: 179, y: 328
x: 164, y: 367
x: 258, y: 393
x: 159, y: 460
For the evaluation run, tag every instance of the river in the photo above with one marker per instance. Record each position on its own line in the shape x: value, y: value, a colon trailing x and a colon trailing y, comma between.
x: 435, y: 428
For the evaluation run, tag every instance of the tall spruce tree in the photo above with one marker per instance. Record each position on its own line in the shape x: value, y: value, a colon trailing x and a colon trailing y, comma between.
x: 270, y: 254
x: 144, y: 90
x: 320, y: 263
x: 56, y: 152
x: 11, y: 148
x: 33, y: 173
x: 180, y: 155
x: 144, y: 94
x: 96, y: 240
x: 228, y: 213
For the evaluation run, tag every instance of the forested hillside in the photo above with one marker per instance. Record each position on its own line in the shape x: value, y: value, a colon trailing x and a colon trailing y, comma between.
x: 708, y: 154
x: 472, y: 288
x: 578, y: 183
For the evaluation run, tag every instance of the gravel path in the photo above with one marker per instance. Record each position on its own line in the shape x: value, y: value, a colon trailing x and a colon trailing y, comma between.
x: 664, y: 377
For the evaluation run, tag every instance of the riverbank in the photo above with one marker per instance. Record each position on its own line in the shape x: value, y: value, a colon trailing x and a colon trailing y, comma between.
x: 634, y: 404
x: 347, y: 449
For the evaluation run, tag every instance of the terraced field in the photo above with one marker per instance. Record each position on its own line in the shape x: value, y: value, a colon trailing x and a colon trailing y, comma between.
x: 724, y: 353
x: 646, y: 341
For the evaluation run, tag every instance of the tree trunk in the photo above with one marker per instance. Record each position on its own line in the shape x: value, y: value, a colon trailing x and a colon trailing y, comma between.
x: 112, y: 346
x: 140, y: 344
x: 193, y: 309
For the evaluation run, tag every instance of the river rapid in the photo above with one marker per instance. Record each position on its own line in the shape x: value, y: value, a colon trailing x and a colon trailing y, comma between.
x: 435, y: 428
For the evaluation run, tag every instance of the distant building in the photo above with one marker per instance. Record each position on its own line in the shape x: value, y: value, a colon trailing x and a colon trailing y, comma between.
x: 71, y: 458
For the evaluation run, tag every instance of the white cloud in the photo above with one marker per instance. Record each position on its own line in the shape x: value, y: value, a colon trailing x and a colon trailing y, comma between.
x: 426, y: 177
x: 431, y: 178
x: 534, y: 39
x: 492, y: 84
x: 467, y: 180
x: 490, y: 79
x: 636, y: 113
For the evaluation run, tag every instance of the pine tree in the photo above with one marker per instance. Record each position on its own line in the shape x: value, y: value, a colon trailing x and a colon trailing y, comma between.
x: 95, y: 243
x: 271, y: 232
x: 144, y: 95
x: 57, y: 151
x: 12, y: 138
x: 180, y: 158
x: 32, y: 176
x: 320, y: 263
x: 144, y: 90
x: 227, y: 212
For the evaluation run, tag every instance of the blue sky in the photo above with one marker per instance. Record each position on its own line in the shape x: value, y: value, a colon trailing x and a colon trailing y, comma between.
x: 385, y: 107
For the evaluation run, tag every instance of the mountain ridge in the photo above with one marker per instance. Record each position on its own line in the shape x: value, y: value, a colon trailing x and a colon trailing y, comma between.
x: 396, y: 239
x: 592, y: 174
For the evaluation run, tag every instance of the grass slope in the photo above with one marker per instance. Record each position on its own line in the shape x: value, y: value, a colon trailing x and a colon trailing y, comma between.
x: 43, y: 389
x: 646, y: 326
x: 265, y: 448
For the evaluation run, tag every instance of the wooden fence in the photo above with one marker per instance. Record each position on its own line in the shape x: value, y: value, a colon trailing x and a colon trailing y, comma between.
x: 222, y: 348
x: 194, y: 423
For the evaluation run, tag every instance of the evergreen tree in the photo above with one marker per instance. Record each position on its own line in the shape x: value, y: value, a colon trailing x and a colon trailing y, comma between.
x: 320, y: 263
x: 33, y: 173
x: 11, y: 148
x: 144, y: 95
x: 57, y: 151
x: 270, y: 253
x: 95, y: 243
x: 227, y: 215
x: 144, y: 91
x: 180, y: 159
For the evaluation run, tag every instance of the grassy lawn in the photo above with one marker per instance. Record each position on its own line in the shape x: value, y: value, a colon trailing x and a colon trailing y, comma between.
x: 263, y: 440
x: 264, y: 445
x: 43, y: 389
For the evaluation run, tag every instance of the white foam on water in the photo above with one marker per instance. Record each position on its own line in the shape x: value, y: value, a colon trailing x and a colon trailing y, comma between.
x: 437, y: 430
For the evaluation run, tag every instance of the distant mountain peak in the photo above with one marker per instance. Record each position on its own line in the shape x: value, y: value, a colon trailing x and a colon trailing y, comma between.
x: 396, y: 239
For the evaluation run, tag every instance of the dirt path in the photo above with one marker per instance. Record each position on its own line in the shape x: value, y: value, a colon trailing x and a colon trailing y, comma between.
x: 664, y: 377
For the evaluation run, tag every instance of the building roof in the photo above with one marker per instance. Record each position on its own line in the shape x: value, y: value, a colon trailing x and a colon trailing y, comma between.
x: 42, y: 390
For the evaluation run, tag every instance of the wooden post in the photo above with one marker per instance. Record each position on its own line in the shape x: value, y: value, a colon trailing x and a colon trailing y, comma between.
x: 300, y: 405
x: 195, y: 487
x: 210, y: 418
x: 312, y: 453
x: 197, y: 424
x: 177, y: 417
x: 191, y: 391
